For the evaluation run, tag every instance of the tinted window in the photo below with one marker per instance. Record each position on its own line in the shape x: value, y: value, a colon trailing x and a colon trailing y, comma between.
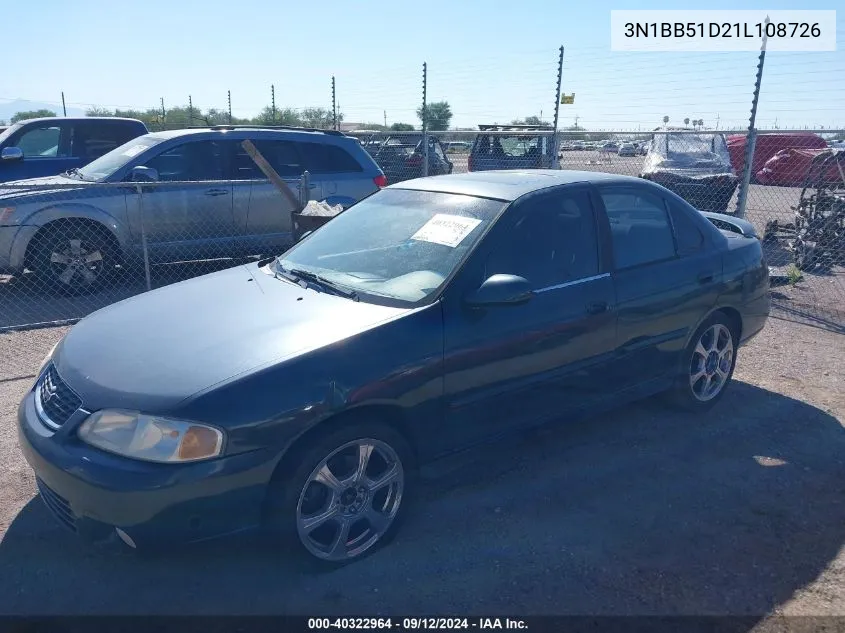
x: 284, y: 157
x: 640, y: 227
x: 201, y: 160
x: 328, y: 159
x: 92, y: 140
x: 552, y: 242
x: 40, y: 142
x: 688, y: 236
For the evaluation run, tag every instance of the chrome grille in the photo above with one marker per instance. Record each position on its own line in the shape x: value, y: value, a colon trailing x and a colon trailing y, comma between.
x: 57, y: 400
x: 57, y: 505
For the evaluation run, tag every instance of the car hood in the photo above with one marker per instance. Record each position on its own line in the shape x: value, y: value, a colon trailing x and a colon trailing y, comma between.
x: 36, y: 186
x: 152, y: 351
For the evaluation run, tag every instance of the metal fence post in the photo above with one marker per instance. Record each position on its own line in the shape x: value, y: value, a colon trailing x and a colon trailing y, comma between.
x: 751, y: 139
x: 140, y: 189
x: 425, y: 121
x: 555, y: 138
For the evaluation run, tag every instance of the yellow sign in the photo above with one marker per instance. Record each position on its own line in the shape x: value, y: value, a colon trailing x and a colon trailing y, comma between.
x: 567, y: 99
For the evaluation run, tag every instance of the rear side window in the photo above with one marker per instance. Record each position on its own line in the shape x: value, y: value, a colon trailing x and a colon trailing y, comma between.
x: 322, y: 158
x: 92, y: 140
x: 196, y: 161
x: 284, y: 157
x: 688, y: 236
x: 640, y: 227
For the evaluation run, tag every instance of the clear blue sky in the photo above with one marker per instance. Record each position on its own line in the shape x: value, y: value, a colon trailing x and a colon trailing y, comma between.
x: 492, y: 61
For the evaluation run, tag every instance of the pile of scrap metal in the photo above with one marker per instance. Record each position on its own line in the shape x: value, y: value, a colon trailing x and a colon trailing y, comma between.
x: 817, y: 236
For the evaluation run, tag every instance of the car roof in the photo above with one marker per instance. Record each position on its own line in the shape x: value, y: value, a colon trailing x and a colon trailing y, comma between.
x: 246, y: 132
x: 510, y: 184
x: 76, y: 119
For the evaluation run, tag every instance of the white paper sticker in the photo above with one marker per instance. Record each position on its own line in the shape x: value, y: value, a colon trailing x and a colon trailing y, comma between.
x: 449, y: 230
x: 134, y: 150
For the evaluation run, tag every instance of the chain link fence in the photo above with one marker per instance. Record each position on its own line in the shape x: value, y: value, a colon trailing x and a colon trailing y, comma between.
x: 70, y: 248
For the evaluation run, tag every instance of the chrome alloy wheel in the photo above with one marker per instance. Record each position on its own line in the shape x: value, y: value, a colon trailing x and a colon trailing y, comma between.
x: 73, y: 264
x: 350, y: 500
x: 710, y: 366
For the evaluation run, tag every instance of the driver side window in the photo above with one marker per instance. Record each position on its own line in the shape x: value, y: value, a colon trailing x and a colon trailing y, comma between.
x: 552, y: 242
x: 198, y: 161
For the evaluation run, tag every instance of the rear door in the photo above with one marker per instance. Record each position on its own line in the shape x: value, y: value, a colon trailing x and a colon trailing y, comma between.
x: 267, y: 228
x: 46, y: 151
x: 666, y: 281
x: 188, y: 213
x: 518, y: 365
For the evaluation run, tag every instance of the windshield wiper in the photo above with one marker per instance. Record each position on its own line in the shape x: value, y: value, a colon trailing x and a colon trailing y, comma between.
x: 294, y: 273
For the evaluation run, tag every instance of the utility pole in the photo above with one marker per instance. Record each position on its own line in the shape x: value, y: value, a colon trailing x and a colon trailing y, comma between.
x: 334, y: 104
x: 751, y: 140
x: 425, y: 119
x: 273, y: 101
x: 190, y: 111
x: 163, y: 114
x: 557, y: 104
x: 229, y: 97
x: 385, y: 118
x: 64, y: 108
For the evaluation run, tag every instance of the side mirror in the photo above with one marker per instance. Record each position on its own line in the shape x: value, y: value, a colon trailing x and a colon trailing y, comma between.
x: 501, y: 290
x: 11, y: 154
x: 143, y: 174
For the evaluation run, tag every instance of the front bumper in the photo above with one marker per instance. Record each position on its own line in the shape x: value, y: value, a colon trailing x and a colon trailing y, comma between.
x: 92, y: 492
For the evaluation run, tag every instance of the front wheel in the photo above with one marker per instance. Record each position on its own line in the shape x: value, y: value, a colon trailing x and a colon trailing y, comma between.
x: 344, y: 497
x: 708, y: 365
x: 74, y: 259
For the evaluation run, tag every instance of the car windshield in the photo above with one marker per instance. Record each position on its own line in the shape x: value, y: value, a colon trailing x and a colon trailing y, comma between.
x: 109, y: 163
x: 397, y: 246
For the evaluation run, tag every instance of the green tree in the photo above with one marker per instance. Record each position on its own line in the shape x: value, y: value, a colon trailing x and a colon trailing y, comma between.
x: 319, y: 118
x: 31, y: 114
x: 402, y: 127
x: 531, y: 120
x: 282, y: 116
x: 98, y: 111
x: 438, y: 115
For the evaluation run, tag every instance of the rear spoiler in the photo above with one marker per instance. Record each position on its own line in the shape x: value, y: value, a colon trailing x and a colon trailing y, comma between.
x: 731, y: 223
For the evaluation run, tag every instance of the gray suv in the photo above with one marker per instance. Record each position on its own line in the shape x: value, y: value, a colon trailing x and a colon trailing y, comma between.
x: 202, y: 197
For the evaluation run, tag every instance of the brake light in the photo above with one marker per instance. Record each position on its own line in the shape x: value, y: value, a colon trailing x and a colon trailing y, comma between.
x: 380, y: 181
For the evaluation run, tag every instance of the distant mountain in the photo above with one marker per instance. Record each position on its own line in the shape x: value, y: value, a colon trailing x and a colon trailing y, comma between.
x: 9, y: 108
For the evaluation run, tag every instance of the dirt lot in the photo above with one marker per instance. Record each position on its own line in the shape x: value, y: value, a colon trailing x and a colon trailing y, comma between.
x: 640, y: 511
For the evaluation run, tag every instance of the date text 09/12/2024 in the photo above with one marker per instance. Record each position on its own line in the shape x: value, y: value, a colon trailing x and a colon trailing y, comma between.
x: 416, y: 624
x: 721, y: 29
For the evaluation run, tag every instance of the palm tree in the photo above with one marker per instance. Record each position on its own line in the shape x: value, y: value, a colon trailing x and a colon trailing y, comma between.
x: 665, y: 120
x: 686, y: 121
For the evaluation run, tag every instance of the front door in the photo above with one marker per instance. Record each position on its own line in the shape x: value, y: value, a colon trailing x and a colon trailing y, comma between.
x: 46, y: 151
x: 517, y: 365
x: 187, y: 215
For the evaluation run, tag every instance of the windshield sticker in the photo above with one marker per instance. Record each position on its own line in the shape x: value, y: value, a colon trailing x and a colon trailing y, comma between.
x: 448, y: 230
x: 134, y: 150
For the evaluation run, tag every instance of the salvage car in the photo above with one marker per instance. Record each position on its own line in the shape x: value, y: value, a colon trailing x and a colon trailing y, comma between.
x: 302, y: 392
x: 513, y: 147
x: 695, y: 166
x: 203, y: 197
x: 402, y: 157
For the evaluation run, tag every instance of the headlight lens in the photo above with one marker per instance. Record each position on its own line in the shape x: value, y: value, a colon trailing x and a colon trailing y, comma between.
x: 151, y: 438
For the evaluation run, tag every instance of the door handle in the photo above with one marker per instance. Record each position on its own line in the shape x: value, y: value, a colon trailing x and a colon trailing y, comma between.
x: 705, y: 278
x: 598, y: 307
x: 217, y: 192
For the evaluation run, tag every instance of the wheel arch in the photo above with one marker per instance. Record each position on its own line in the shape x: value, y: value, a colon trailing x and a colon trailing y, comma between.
x: 101, y: 223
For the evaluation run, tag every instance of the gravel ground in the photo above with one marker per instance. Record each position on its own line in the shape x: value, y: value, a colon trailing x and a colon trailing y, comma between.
x: 639, y: 511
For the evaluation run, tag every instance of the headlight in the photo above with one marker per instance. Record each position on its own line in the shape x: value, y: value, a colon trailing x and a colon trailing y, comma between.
x: 150, y: 438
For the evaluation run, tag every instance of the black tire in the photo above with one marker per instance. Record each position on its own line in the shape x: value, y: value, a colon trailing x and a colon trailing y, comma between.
x: 690, y: 395
x: 292, y: 483
x: 88, y: 258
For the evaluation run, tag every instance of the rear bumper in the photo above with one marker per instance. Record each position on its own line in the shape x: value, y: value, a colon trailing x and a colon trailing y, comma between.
x: 705, y: 193
x: 754, y: 316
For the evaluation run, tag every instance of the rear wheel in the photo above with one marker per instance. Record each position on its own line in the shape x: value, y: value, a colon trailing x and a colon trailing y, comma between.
x: 708, y: 365
x: 344, y: 496
x: 74, y: 258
